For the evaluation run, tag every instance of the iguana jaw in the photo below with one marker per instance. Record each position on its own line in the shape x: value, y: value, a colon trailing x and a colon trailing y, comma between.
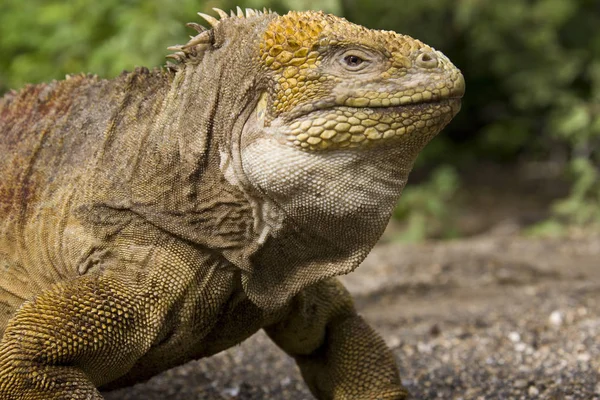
x: 343, y: 127
x: 346, y: 122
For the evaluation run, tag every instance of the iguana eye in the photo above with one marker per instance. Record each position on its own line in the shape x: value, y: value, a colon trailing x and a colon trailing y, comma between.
x: 353, y: 61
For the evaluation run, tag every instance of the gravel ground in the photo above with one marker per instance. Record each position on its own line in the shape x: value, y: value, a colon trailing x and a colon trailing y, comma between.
x: 484, y: 318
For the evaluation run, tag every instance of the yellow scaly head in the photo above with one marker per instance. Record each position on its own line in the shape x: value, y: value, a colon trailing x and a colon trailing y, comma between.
x: 340, y: 85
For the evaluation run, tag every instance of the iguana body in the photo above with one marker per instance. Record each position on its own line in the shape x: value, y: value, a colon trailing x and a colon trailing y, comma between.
x: 165, y: 216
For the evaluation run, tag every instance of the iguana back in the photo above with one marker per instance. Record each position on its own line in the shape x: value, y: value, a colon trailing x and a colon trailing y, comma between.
x: 52, y: 136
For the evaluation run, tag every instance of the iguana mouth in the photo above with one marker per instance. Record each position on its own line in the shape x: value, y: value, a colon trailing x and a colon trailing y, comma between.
x: 330, y: 104
x: 365, y: 116
x: 348, y: 127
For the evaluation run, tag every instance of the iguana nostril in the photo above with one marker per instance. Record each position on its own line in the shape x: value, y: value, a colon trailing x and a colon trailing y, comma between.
x: 427, y: 60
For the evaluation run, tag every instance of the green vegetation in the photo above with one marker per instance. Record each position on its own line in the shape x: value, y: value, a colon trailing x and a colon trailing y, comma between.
x: 532, y: 70
x: 428, y: 209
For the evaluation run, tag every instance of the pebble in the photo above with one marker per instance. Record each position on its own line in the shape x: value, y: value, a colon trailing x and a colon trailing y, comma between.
x: 232, y: 391
x: 424, y: 347
x: 286, y: 381
x: 520, y: 383
x: 533, y: 391
x: 393, y: 341
x: 584, y: 357
x: 520, y: 347
x: 556, y: 318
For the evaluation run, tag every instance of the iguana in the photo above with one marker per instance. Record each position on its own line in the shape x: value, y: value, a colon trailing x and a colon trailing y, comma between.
x: 164, y: 216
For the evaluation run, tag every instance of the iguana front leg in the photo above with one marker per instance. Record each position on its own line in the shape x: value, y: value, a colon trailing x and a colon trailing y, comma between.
x: 92, y: 330
x: 73, y: 337
x: 339, y: 355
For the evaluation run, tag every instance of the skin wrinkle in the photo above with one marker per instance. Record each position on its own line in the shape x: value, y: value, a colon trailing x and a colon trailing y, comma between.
x: 170, y: 214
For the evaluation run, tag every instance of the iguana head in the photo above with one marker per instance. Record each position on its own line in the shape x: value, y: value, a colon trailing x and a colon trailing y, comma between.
x: 326, y: 120
x: 337, y: 85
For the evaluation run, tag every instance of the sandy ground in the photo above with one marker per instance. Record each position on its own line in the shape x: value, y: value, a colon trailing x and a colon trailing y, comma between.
x: 495, y: 317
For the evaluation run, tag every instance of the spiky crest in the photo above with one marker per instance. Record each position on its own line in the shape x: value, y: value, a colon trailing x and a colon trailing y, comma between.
x: 196, y: 46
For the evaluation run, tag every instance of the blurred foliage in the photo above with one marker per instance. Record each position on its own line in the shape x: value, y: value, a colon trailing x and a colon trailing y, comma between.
x: 46, y: 39
x: 427, y: 208
x: 532, y: 70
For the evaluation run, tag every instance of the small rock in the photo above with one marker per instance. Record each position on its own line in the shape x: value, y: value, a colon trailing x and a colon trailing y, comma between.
x: 286, y: 381
x: 584, y: 357
x: 424, y: 347
x: 556, y: 318
x: 393, y: 341
x: 533, y: 391
x: 520, y: 347
x: 232, y: 391
x: 582, y: 311
x: 435, y: 330
x: 514, y: 337
x: 520, y: 383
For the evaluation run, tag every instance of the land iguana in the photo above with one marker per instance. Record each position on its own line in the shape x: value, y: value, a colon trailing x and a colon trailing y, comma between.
x: 167, y: 215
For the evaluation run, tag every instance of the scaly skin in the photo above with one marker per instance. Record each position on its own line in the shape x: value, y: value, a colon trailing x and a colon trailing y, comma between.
x: 165, y: 216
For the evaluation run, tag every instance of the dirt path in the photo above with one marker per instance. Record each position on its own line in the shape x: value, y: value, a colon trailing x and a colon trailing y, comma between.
x: 483, y: 318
